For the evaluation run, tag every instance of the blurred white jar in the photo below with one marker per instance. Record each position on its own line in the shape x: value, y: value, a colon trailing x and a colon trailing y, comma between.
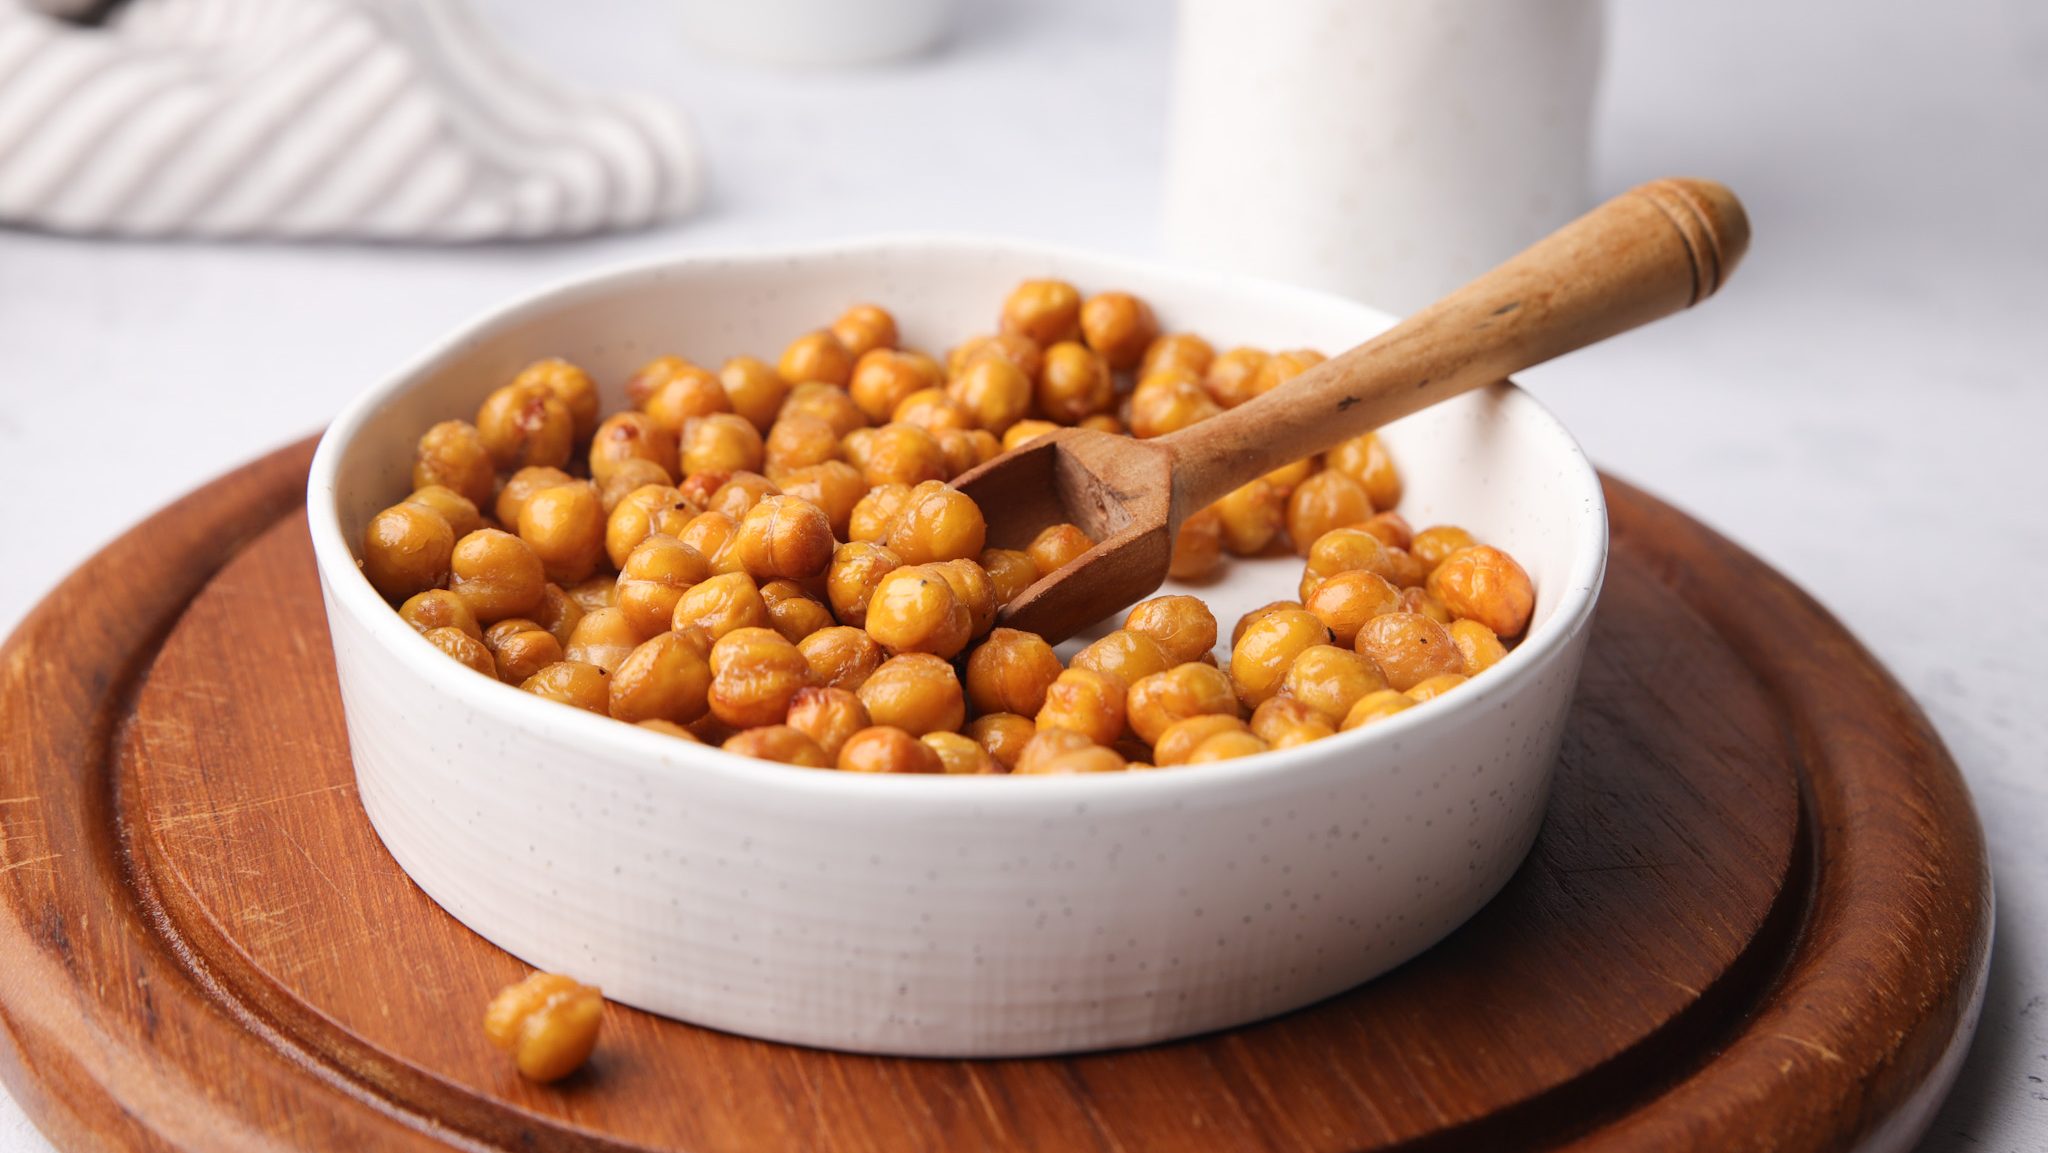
x: 1386, y: 149
x: 816, y: 33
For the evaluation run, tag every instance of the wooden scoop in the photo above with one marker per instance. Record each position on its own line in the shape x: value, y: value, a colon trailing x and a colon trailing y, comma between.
x: 1643, y: 255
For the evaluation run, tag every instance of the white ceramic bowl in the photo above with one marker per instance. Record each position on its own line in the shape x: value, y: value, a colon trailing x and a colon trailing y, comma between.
x: 939, y: 915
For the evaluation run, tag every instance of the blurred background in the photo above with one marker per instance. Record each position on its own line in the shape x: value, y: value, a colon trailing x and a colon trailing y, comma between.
x: 1862, y: 406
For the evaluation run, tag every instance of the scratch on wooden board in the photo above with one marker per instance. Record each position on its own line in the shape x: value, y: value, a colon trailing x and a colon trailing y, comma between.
x: 30, y: 799
x: 988, y: 1106
x: 293, y: 841
x: 162, y: 821
x: 1812, y: 1046
x: 25, y: 862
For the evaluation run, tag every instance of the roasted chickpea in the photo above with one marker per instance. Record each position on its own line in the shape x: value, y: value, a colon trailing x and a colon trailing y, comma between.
x: 1183, y: 737
x: 439, y: 608
x: 565, y: 528
x: 959, y: 755
x: 1003, y: 737
x: 816, y: 356
x: 666, y: 678
x: 721, y: 604
x: 1352, y: 550
x: 526, y: 424
x: 558, y: 613
x: 1010, y: 570
x: 497, y: 575
x: 1227, y: 746
x: 1047, y: 311
x: 548, y: 1023
x: 604, y: 638
x: 711, y: 534
x: 783, y: 537
x: 865, y: 328
x: 1391, y: 528
x: 653, y: 579
x: 650, y: 510
x: 792, y: 611
x: 840, y: 657
x: 755, y: 672
x: 1158, y: 702
x: 1438, y: 541
x: 1255, y: 616
x: 1408, y: 649
x: 1074, y: 384
x: 1009, y: 673
x: 1085, y: 701
x: 834, y: 486
x: 690, y: 392
x: 934, y: 410
x: 884, y: 749
x: 993, y: 390
x: 780, y: 743
x: 1025, y: 431
x: 1064, y: 752
x: 966, y: 448
x: 599, y: 592
x: 648, y: 378
x: 755, y: 390
x: 520, y: 648
x: 1230, y: 376
x: 916, y: 692
x: 1289, y: 477
x: 1124, y: 656
x: 721, y: 442
x: 407, y: 549
x: 1182, y: 625
x: 1477, y: 644
x: 737, y: 495
x: 627, y: 436
x: 1375, y: 707
x: 856, y: 570
x: 1177, y: 350
x: 974, y: 589
x: 1365, y: 460
x: 1330, y: 680
x: 1346, y: 601
x: 1057, y: 546
x: 1262, y: 656
x: 1327, y: 500
x: 1280, y: 715
x: 1118, y: 326
x: 453, y: 507
x: 1282, y: 367
x: 883, y: 378
x: 1014, y: 347
x: 1104, y: 422
x: 1252, y: 515
x: 1436, y: 686
x: 902, y: 454
x: 1198, y: 547
x: 463, y: 647
x: 828, y: 716
x: 627, y: 478
x: 1168, y: 402
x: 1421, y: 600
x: 520, y: 487
x: 828, y: 403
x: 1484, y: 584
x: 799, y: 441
x: 573, y: 683
x: 669, y: 729
x: 875, y: 516
x: 452, y: 454
x: 915, y: 610
x: 937, y: 523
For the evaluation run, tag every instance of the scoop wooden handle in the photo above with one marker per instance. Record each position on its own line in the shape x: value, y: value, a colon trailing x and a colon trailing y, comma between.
x: 1647, y: 253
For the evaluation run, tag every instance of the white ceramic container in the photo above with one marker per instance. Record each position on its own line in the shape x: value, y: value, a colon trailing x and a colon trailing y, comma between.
x: 939, y: 915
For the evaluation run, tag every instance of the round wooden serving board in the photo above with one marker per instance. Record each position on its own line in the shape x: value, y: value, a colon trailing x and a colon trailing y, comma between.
x: 1757, y: 917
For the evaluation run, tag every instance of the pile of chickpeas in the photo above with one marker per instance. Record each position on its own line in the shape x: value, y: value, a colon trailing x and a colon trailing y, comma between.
x: 768, y: 558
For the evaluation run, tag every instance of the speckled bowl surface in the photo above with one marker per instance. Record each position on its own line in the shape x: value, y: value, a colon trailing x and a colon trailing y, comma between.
x: 938, y: 915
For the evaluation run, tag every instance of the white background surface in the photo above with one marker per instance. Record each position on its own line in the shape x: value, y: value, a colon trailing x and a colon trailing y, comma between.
x: 1863, y: 406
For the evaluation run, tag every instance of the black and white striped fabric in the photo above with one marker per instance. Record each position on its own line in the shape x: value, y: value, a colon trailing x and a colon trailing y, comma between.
x: 362, y: 119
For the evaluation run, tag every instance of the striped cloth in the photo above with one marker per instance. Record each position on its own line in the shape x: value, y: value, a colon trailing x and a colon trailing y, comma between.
x: 389, y: 120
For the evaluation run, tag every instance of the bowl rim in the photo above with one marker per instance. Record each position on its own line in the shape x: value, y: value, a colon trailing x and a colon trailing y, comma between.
x: 346, y: 589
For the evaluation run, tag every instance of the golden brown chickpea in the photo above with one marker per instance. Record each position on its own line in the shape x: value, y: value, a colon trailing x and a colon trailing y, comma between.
x: 1375, y: 707
x: 1484, y: 584
x: 1438, y: 541
x: 649, y: 377
x: 1391, y: 528
x: 1408, y: 571
x: 625, y: 436
x: 1255, y: 616
x: 406, y: 550
x: 565, y: 528
x: 1085, y: 701
x: 1009, y: 673
x: 599, y: 592
x: 721, y: 604
x: 666, y: 678
x: 816, y: 356
x: 452, y: 454
x: 690, y: 392
x: 738, y: 493
x: 1477, y: 644
x: 1408, y: 649
x: 558, y: 613
x: 1177, y: 350
x: 1198, y: 548
x: 1057, y: 546
x: 1010, y: 570
x: 783, y: 537
x: 827, y: 715
x: 1104, y: 422
x: 627, y: 478
x: 828, y: 403
x: 573, y: 683
x: 865, y: 328
x: 875, y: 517
x: 650, y: 510
x: 709, y: 533
x: 974, y: 589
x: 755, y: 390
x: 1014, y: 347
x: 1063, y: 752
x: 1162, y: 700
x: 1047, y: 311
x: 934, y: 410
x: 1325, y: 501
x: 834, y: 486
x: 916, y: 692
x: 1025, y: 431
x: 840, y: 657
x: 453, y: 507
x: 604, y: 638
x: 439, y: 608
x: 1182, y: 625
x: 520, y: 487
x: 1281, y: 715
x: 959, y: 755
x: 526, y: 424
x: 654, y: 578
x: 915, y: 610
x: 993, y: 390
x: 1347, y: 600
x: 799, y: 440
x: 1230, y: 376
x: 755, y: 672
x: 1252, y: 516
x: 966, y: 448
x: 883, y: 749
x: 1227, y: 746
x: 1124, y: 656
x: 1352, y: 550
x: 1282, y: 367
x: 1289, y: 477
x: 1118, y: 326
x: 792, y: 611
x: 856, y: 571
x: 902, y: 454
x: 1365, y: 460
x: 669, y: 729
x: 1261, y: 657
x: 571, y: 385
x: 721, y: 442
x: 1168, y: 402
x: 937, y: 523
x: 884, y: 377
x: 520, y: 648
x: 779, y: 743
x: 1183, y: 737
x: 1415, y: 600
x: 463, y: 647
x: 548, y: 1023
x: 497, y: 575
x: 1003, y: 737
x: 1074, y: 384
x: 1436, y: 686
x: 1330, y: 680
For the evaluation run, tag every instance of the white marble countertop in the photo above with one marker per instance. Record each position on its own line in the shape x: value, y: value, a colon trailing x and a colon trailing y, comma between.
x: 1862, y: 407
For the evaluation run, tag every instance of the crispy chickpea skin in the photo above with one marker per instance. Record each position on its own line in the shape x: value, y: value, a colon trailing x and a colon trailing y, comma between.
x: 1182, y: 625
x: 407, y: 549
x: 793, y: 612
x: 571, y: 385
x: 452, y: 454
x: 1376, y: 706
x: 520, y: 487
x: 1255, y: 616
x: 627, y: 436
x: 1391, y: 528
x: 1009, y: 673
x: 855, y: 572
x: 650, y: 376
x: 565, y: 528
x: 1261, y: 657
x: 558, y: 613
x: 885, y: 749
x: 827, y: 715
x: 1168, y: 402
x: 599, y: 592
x: 1226, y: 746
x: 548, y: 1022
x: 1229, y: 379
x: 439, y: 608
x: 1118, y: 326
x: 780, y: 743
x: 650, y: 510
x: 1347, y: 600
x: 876, y: 514
x: 937, y: 523
x: 1003, y: 737
x: 1409, y: 649
x: 1183, y: 737
x: 993, y: 390
x: 521, y: 648
x: 1014, y: 347
x: 1324, y: 501
x: 1436, y: 686
x: 1010, y: 570
x: 754, y: 389
x: 604, y: 638
x: 463, y: 647
x: 1057, y: 546
x: 1047, y: 311
x: 1330, y: 680
x: 816, y: 356
x: 1365, y: 460
x: 1158, y: 702
x: 526, y: 424
x: 902, y: 454
x: 1177, y: 350
x: 573, y: 683
x: 840, y: 657
x: 960, y: 755
x: 1252, y: 515
x: 828, y: 403
x: 864, y: 328
x: 1351, y: 550
x: 883, y: 378
x: 834, y: 486
x: 783, y: 537
x: 1123, y: 656
x: 1025, y: 431
x: 1478, y: 645
x: 974, y: 589
x: 915, y: 610
x: 496, y: 575
x: 1438, y: 541
x: 1074, y: 384
x: 691, y: 391
x: 721, y: 604
x: 1198, y: 547
x: 461, y: 515
x: 916, y: 692
x: 1484, y: 584
x: 655, y: 575
x: 1277, y: 717
x: 755, y: 672
x: 1064, y: 752
x: 721, y: 442
x: 1087, y: 702
x: 667, y: 678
